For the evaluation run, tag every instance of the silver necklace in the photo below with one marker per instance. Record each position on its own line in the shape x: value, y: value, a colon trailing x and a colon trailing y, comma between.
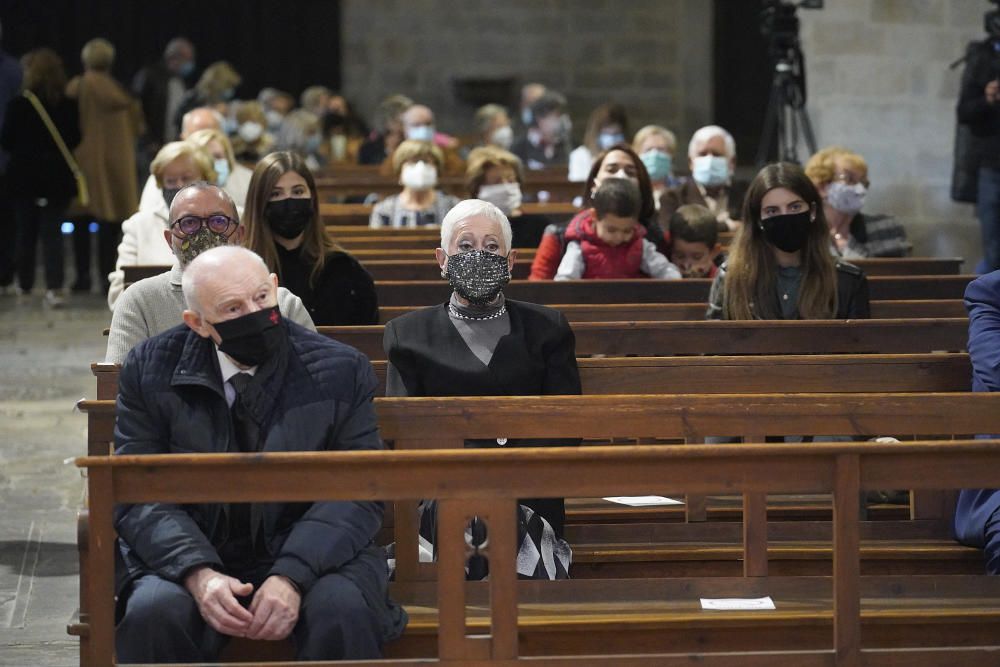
x: 455, y: 313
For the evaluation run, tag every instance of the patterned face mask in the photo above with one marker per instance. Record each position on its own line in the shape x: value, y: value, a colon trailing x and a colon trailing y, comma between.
x: 477, y: 276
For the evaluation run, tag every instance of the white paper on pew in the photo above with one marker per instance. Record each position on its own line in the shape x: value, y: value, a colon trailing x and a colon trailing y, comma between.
x: 643, y: 501
x: 737, y: 604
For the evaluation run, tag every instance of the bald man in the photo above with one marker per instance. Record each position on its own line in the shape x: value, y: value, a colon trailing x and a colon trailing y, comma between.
x: 202, y: 118
x: 238, y: 377
x: 155, y: 304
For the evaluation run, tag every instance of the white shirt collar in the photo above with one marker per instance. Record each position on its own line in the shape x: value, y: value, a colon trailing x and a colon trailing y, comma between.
x: 228, y: 368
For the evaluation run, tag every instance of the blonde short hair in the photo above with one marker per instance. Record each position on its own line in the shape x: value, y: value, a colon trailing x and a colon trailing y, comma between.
x: 202, y: 138
x: 410, y: 150
x: 98, y: 54
x: 176, y: 149
x: 216, y: 79
x: 484, y: 157
x: 655, y: 131
x: 822, y: 167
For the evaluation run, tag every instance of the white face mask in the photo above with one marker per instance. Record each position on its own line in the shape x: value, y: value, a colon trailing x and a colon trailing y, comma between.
x: 846, y: 198
x: 502, y: 137
x: 338, y: 146
x: 711, y: 170
x: 419, y: 176
x: 250, y: 131
x: 505, y: 196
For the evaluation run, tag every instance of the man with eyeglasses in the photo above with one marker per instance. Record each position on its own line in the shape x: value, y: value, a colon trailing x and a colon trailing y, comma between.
x: 202, y: 216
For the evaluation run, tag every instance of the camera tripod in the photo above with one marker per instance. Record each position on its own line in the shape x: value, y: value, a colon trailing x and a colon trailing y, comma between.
x: 786, y: 113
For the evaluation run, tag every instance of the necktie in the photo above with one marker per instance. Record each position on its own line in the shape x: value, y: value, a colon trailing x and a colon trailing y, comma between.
x: 244, y: 426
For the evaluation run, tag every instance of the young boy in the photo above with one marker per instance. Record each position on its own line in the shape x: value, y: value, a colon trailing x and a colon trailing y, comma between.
x: 610, y: 243
x: 694, y: 239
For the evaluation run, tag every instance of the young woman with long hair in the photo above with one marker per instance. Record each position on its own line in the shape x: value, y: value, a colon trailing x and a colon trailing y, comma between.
x: 284, y: 227
x: 780, y: 267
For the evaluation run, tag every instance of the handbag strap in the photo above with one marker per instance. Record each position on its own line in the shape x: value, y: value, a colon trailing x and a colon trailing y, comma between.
x: 56, y: 137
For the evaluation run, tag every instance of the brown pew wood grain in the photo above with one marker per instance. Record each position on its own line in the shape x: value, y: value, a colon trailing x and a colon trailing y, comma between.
x: 694, y: 290
x: 912, y: 612
x: 732, y: 337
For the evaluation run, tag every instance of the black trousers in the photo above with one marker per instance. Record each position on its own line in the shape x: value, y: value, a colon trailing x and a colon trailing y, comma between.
x: 161, y: 624
x: 8, y: 230
x: 108, y: 238
x: 39, y: 219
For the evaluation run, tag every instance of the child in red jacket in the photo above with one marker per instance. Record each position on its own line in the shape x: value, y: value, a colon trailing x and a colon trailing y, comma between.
x: 610, y: 242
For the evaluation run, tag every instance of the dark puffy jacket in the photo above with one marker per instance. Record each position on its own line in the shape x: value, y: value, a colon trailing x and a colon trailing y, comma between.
x: 171, y: 400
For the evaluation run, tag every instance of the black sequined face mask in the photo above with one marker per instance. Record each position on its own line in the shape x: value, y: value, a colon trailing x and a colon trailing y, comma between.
x: 477, y: 276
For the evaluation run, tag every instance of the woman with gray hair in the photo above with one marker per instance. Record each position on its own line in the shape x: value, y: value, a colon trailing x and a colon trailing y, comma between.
x: 479, y: 343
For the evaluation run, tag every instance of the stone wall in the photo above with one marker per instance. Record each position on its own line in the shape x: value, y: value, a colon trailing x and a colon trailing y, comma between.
x: 879, y: 84
x: 591, y: 50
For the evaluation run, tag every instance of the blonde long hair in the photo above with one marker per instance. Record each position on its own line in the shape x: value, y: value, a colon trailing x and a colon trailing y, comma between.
x: 752, y: 268
x: 316, y: 243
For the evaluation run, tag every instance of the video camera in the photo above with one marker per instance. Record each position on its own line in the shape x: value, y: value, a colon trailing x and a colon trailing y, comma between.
x: 779, y: 23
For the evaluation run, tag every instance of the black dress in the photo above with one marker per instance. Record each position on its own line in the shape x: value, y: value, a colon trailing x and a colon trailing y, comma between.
x: 343, y: 294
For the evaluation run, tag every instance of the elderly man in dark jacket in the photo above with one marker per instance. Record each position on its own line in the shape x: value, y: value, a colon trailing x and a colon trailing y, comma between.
x: 237, y: 377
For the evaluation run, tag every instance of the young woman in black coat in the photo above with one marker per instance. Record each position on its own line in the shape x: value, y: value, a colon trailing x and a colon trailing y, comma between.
x: 284, y: 227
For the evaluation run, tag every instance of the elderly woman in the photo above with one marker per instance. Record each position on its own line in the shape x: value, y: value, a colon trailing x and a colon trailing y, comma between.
x: 841, y: 176
x: 177, y: 164
x: 416, y: 164
x: 656, y: 147
x: 495, y: 175
x: 215, y: 88
x: 481, y: 344
x: 231, y: 176
x: 493, y: 127
x: 712, y: 160
x: 300, y: 132
x: 109, y: 124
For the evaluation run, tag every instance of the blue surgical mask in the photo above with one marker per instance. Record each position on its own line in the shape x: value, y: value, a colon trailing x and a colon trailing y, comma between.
x: 186, y: 69
x: 420, y: 133
x: 606, y: 140
x: 312, y: 143
x: 658, y: 163
x: 711, y: 170
x: 526, y: 116
x: 229, y: 126
x: 222, y: 170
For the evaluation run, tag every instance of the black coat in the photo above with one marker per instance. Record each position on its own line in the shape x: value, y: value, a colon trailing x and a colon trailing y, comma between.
x: 852, y: 294
x: 982, y: 118
x: 171, y: 400
x: 37, y: 168
x: 537, y: 357
x: 344, y: 293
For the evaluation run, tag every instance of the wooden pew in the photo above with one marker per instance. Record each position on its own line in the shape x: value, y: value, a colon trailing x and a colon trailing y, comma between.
x: 426, y: 269
x: 362, y: 180
x: 354, y: 218
x: 839, y: 373
x: 694, y: 290
x: 891, y: 611
x: 673, y: 312
x: 732, y: 337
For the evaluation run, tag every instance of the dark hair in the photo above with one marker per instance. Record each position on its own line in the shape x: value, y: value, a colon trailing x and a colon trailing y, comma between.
x: 752, y: 269
x: 694, y: 223
x: 44, y: 74
x: 617, y: 196
x: 550, y: 101
x: 648, y: 211
x: 316, y: 244
x: 604, y: 115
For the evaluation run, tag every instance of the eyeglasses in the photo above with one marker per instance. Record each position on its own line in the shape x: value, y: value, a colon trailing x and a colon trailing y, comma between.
x: 192, y: 224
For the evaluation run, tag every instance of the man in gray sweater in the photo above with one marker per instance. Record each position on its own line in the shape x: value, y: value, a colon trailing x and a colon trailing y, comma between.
x: 202, y: 216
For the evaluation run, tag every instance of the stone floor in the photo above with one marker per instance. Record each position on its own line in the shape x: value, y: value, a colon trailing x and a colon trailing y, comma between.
x: 45, y: 358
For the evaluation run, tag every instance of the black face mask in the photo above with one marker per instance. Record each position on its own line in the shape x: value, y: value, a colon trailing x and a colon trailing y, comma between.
x: 169, y: 194
x: 288, y: 217
x: 477, y: 275
x: 253, y: 338
x: 787, y: 232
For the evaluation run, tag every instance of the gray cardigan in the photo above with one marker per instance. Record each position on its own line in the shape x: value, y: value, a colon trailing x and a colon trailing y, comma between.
x: 153, y: 305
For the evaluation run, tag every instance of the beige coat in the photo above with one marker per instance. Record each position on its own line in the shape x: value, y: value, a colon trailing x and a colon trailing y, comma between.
x: 109, y: 123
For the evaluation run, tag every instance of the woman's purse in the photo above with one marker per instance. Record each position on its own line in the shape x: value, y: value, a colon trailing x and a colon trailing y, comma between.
x: 82, y: 194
